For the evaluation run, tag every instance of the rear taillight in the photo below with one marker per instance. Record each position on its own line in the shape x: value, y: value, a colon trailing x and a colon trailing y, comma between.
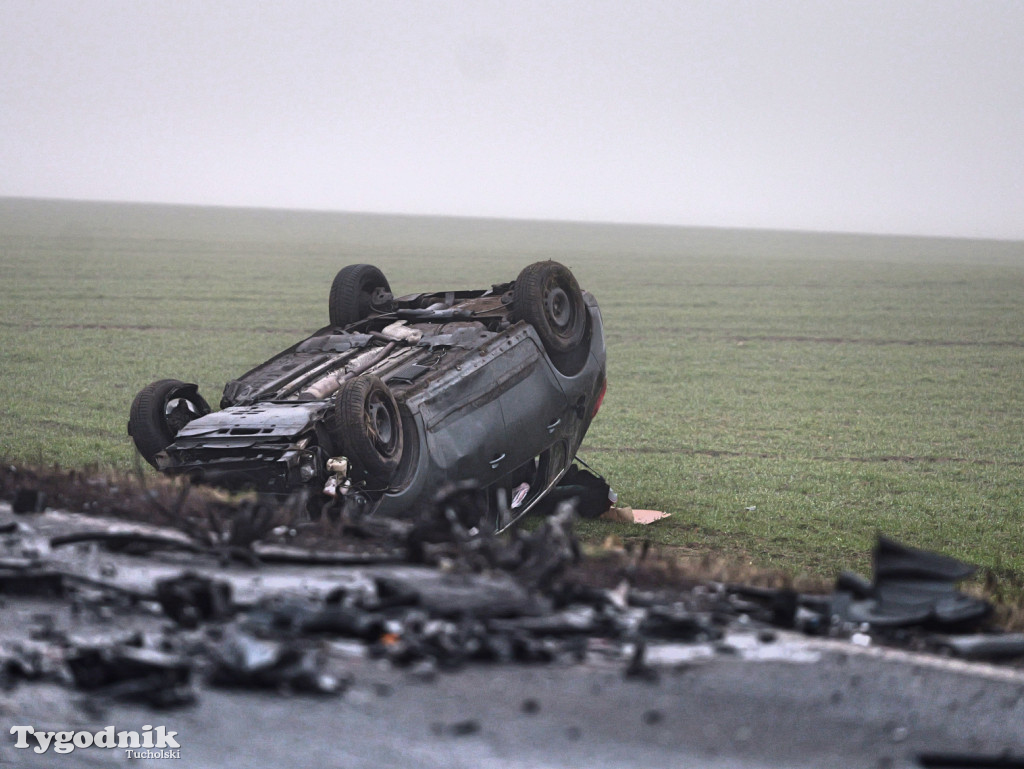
x: 600, y: 398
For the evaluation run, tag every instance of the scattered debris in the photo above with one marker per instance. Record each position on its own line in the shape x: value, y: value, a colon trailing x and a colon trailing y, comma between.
x: 458, y: 729
x: 244, y: 661
x: 429, y: 596
x: 31, y: 580
x: 911, y: 588
x: 987, y: 646
x: 189, y: 599
x: 128, y: 541
x: 28, y: 500
x: 969, y: 761
x: 130, y: 673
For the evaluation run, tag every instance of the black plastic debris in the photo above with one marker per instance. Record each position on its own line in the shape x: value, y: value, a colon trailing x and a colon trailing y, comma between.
x: 911, y: 587
x: 28, y: 501
x: 131, y: 542
x: 969, y: 761
x: 302, y: 557
x: 459, y: 526
x: 776, y: 606
x: 130, y: 673
x: 23, y: 662
x: 456, y: 513
x: 419, y: 639
x: 638, y: 668
x: 31, y: 581
x: 291, y: 617
x: 983, y: 646
x: 191, y: 598
x: 677, y: 623
x: 458, y: 729
x: 546, y: 552
x: 247, y: 662
x: 461, y: 595
x: 579, y: 620
x: 391, y: 593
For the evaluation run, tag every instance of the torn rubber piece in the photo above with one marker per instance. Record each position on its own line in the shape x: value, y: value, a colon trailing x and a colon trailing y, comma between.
x: 911, y: 587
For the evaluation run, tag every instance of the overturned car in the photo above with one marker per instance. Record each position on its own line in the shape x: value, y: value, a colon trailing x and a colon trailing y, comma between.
x: 398, y: 397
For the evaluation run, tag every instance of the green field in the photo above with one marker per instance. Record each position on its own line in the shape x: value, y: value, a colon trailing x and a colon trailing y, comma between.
x: 784, y: 396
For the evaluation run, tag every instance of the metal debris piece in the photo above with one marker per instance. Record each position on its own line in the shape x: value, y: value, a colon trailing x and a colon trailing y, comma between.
x: 191, y: 598
x: 578, y: 620
x: 130, y: 673
x: 677, y: 623
x: 283, y: 554
x: 290, y: 617
x: 243, y: 661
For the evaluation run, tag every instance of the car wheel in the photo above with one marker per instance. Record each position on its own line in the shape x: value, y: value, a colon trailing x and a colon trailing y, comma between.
x: 547, y: 296
x: 370, y: 427
x: 352, y: 291
x: 159, y: 412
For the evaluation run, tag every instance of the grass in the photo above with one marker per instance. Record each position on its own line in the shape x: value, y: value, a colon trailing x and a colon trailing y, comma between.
x: 785, y: 396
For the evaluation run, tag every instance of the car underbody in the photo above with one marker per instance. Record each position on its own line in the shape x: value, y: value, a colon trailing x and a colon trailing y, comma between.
x: 415, y: 394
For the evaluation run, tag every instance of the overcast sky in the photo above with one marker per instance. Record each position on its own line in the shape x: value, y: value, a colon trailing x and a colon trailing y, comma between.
x: 867, y: 116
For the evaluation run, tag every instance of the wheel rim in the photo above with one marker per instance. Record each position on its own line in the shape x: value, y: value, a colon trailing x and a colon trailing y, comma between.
x: 178, y: 412
x: 380, y: 425
x: 365, y: 294
x: 560, y: 310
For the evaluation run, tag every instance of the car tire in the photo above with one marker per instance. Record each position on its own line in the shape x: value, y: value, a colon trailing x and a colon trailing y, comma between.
x: 547, y: 296
x: 351, y: 292
x: 370, y: 427
x: 159, y: 412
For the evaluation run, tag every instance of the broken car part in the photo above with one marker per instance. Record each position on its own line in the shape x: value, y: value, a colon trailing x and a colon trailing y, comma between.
x: 911, y: 587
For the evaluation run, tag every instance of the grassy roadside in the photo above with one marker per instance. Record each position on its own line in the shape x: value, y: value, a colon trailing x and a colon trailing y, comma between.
x: 784, y: 396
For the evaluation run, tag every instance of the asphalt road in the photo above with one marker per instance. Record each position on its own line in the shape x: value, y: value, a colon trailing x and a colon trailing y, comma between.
x: 830, y: 708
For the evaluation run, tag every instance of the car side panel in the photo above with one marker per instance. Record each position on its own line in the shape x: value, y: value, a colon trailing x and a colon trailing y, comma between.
x: 534, y: 405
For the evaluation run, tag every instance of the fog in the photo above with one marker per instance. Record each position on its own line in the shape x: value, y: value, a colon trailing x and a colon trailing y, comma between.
x: 878, y: 116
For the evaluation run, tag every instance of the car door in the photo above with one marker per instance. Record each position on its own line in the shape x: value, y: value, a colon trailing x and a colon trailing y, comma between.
x: 465, y: 429
x: 533, y: 403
